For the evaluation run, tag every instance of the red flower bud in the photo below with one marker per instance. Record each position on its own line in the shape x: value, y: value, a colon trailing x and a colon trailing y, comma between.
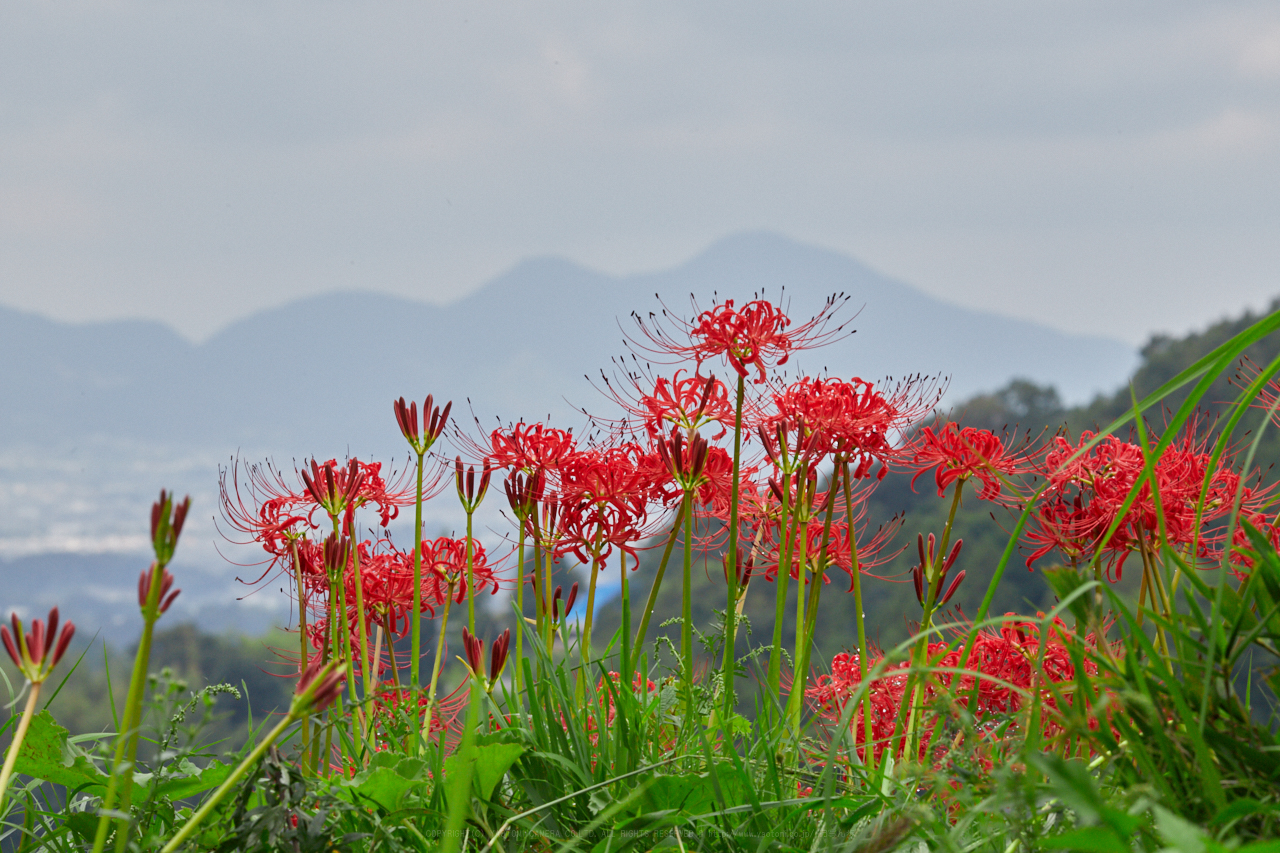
x: 498, y: 655
x: 31, y: 651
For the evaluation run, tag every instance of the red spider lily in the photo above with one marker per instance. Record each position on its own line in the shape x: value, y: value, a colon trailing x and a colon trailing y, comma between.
x: 529, y: 448
x: 685, y: 468
x: 466, y: 484
x: 1004, y: 661
x: 685, y: 402
x: 165, y: 598
x: 957, y: 453
x: 444, y: 561
x: 753, y: 336
x: 433, y: 423
x: 873, y: 551
x: 1085, y: 493
x: 524, y: 491
x: 36, y: 653
x: 1266, y: 524
x: 337, y: 490
x: 1268, y: 395
x: 263, y: 507
x: 852, y: 419
x: 391, y: 705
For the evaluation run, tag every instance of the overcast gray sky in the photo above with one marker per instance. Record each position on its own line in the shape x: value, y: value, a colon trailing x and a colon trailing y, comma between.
x: 1099, y: 166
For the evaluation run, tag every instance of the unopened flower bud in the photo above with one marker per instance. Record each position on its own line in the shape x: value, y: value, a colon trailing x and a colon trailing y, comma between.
x: 164, y: 598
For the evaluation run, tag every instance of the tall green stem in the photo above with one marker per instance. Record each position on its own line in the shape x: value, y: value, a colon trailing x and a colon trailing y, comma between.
x: 121, y: 781
x: 415, y: 640
x: 856, y: 573
x: 471, y: 580
x: 731, y: 561
x: 652, y: 600
x: 774, y: 677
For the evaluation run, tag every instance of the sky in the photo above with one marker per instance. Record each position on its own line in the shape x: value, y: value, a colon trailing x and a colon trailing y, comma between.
x: 1101, y: 167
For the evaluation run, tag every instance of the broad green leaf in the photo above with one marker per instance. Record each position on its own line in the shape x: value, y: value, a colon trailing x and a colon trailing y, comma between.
x: 488, y: 764
x: 47, y: 755
x: 194, y: 780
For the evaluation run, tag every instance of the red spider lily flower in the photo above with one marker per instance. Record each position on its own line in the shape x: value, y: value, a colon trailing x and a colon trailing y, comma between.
x: 498, y: 655
x: 166, y: 525
x: 264, y: 508
x: 36, y: 653
x: 338, y: 490
x: 433, y: 423
x: 529, y: 448
x: 852, y: 419
x: 956, y: 453
x: 686, y: 402
x: 165, y: 597
x: 753, y: 336
x: 1086, y: 490
x: 524, y: 491
x: 444, y: 560
x: 873, y: 550
x: 1004, y: 661
x: 1268, y: 395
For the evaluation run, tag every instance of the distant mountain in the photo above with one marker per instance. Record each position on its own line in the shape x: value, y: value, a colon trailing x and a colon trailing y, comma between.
x: 317, y: 376
x: 96, y: 418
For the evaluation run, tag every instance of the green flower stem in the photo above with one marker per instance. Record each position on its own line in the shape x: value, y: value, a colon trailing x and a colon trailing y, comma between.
x: 303, y: 641
x: 435, y: 668
x: 920, y: 652
x: 856, y: 573
x: 626, y: 620
x: 804, y: 517
x: 236, y: 775
x: 686, y: 605
x: 731, y: 563
x: 471, y: 580
x: 774, y: 677
x: 519, y: 608
x: 652, y: 601
x: 795, y: 703
x: 415, y: 640
x: 12, y: 758
x: 591, y: 601
x: 121, y: 782
x: 367, y: 664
